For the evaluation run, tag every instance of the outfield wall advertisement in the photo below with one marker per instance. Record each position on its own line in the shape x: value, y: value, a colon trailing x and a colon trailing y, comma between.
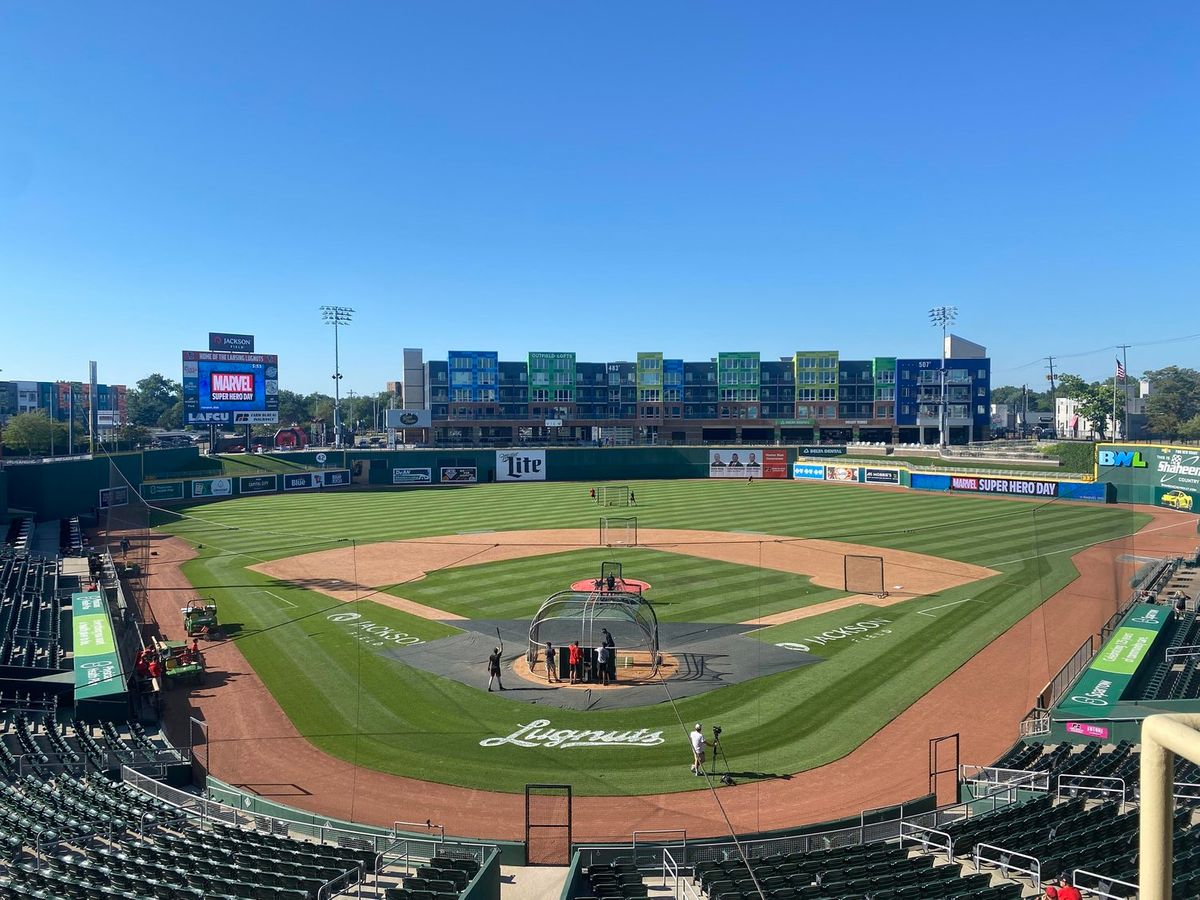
x: 735, y: 463
x: 1163, y: 475
x: 775, y: 463
x: 808, y: 472
x: 1024, y: 487
x: 110, y: 497
x: 258, y: 484
x: 520, y: 465
x: 459, y: 474
x: 412, y: 476
x: 881, y: 476
x: 841, y: 473
x: 306, y: 480
x: 212, y: 487
x: 160, y: 491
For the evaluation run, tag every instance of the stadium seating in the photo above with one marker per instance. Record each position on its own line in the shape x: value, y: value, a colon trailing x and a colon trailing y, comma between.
x: 444, y: 878
x: 1092, y: 759
x: 45, y: 745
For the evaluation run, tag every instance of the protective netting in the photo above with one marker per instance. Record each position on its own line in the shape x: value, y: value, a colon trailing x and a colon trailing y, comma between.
x: 864, y: 575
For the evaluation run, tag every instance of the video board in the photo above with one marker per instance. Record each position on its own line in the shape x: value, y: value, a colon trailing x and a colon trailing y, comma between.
x: 230, y: 388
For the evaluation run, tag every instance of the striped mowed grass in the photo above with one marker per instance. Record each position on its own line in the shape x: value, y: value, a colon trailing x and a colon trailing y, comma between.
x: 360, y: 701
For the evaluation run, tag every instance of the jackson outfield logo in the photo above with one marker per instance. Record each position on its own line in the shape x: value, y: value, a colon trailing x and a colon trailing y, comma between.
x: 538, y: 734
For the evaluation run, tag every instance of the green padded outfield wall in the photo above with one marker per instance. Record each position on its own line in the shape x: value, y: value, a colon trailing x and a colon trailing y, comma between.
x: 55, y: 490
x: 1156, y: 474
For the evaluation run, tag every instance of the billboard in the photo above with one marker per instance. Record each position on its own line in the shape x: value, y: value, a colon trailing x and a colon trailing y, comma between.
x: 459, y: 474
x: 157, y: 491
x: 822, y: 450
x: 1024, y: 487
x: 841, y: 473
x: 1174, y: 498
x: 212, y: 487
x: 109, y: 497
x: 335, y: 477
x: 230, y: 388
x: 230, y: 343
x: 807, y: 471
x: 258, y: 484
x: 735, y: 464
x: 520, y: 465
x: 412, y: 476
x: 406, y: 418
x: 881, y: 476
x: 774, y: 463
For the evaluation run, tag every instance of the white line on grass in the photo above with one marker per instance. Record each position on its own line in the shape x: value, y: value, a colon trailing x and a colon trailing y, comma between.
x: 280, y: 599
x: 926, y: 611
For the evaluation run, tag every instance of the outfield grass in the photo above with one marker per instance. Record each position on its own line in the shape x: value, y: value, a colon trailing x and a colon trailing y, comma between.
x: 356, y: 701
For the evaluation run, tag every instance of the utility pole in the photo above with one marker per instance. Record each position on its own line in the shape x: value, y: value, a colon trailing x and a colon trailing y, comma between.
x: 1053, y: 399
x: 337, y: 316
x: 1124, y: 389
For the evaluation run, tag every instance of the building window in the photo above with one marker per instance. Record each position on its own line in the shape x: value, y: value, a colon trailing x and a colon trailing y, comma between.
x: 982, y: 375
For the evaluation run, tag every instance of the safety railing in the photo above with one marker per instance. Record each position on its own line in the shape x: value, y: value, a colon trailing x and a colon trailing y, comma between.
x: 108, y: 761
x: 1185, y: 652
x: 1035, y: 723
x: 672, y: 874
x: 1057, y: 686
x: 1007, y: 861
x: 340, y: 883
x: 678, y: 842
x: 1106, y: 785
x: 927, y: 837
x: 1105, y: 886
x: 1002, y: 787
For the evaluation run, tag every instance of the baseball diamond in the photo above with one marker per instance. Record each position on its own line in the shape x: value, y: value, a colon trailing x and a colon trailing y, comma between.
x: 342, y: 600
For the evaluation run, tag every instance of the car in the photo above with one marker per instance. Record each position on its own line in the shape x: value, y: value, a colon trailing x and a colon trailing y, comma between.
x: 1177, y: 500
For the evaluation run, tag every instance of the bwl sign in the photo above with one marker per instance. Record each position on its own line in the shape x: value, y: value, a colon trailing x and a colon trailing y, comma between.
x: 538, y: 733
x: 520, y: 465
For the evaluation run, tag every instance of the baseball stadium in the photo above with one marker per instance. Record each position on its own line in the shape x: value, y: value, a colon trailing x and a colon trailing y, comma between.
x: 598, y: 672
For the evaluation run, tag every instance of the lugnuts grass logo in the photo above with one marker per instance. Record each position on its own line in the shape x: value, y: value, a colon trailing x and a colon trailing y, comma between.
x: 538, y: 733
x: 374, y: 634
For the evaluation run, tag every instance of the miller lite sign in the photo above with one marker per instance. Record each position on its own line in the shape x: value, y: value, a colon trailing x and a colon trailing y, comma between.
x: 520, y: 465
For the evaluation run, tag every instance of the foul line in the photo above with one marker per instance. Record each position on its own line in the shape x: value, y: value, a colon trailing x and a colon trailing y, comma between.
x: 925, y: 612
x: 280, y: 599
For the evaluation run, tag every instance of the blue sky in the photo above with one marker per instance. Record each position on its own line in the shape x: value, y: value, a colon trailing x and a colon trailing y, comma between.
x: 603, y: 177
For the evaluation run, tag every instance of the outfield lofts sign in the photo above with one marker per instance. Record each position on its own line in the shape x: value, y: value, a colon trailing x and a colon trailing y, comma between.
x: 539, y: 733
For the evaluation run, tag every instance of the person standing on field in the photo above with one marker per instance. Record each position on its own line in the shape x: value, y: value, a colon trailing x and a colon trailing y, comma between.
x: 494, y: 670
x: 697, y: 738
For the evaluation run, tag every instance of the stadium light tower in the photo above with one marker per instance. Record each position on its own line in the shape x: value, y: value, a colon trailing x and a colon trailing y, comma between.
x: 337, y: 316
x: 943, y: 316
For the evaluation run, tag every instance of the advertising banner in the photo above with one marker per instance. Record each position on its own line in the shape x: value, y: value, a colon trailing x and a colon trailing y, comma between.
x: 97, y: 666
x: 459, y: 474
x: 841, y: 473
x: 735, y: 464
x: 881, y: 476
x: 258, y: 484
x: 775, y: 463
x: 157, y: 491
x: 1175, y: 498
x: 821, y: 450
x: 1025, y: 487
x: 808, y: 471
x: 412, y: 476
x: 1173, y: 468
x: 520, y: 465
x: 336, y: 477
x: 1104, y: 681
x: 230, y: 343
x: 301, y: 481
x: 1097, y: 492
x: 406, y: 418
x: 212, y: 487
x: 118, y: 496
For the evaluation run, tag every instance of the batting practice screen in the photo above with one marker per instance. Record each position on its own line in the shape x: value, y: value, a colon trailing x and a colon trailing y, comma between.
x: 230, y: 388
x: 864, y: 575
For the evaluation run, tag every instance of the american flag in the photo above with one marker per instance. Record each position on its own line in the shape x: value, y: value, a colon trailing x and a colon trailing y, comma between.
x: 1120, y: 371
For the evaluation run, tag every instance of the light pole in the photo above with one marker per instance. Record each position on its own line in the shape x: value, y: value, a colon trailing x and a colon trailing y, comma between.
x: 337, y: 316
x: 942, y: 316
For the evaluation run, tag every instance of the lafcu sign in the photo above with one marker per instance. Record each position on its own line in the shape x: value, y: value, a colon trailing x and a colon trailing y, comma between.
x: 1128, y: 459
x: 520, y: 465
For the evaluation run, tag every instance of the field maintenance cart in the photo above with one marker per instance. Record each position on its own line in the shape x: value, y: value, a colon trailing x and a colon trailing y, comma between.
x: 200, y: 617
x: 180, y: 663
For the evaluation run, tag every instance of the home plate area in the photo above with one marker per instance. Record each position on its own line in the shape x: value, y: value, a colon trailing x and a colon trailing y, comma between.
x: 697, y: 658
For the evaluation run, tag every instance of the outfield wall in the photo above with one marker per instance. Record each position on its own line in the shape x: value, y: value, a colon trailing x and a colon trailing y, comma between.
x: 1155, y: 474
x: 67, y: 487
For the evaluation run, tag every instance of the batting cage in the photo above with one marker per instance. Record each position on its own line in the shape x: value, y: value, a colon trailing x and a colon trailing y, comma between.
x: 864, y: 575
x: 570, y: 616
x: 618, y: 532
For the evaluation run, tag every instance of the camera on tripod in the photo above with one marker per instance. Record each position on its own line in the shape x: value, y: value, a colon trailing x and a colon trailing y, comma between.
x: 716, y: 733
x: 726, y: 778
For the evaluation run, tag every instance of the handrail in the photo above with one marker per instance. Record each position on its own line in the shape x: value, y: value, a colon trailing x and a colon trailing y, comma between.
x: 1103, y: 784
x: 1004, y: 863
x: 1103, y: 886
x: 908, y: 830
x: 676, y: 843
x: 1183, y: 652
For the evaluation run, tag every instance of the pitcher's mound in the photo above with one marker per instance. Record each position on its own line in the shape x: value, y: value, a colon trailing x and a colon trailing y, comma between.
x: 620, y: 586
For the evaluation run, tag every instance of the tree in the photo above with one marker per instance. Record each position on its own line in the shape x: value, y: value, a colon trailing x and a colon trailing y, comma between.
x: 34, y: 433
x: 1014, y: 397
x: 293, y: 409
x: 1093, y: 402
x: 1174, y: 400
x: 152, y: 399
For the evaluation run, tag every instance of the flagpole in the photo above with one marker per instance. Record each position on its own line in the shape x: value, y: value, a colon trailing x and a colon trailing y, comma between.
x: 1114, y: 419
x: 1125, y: 387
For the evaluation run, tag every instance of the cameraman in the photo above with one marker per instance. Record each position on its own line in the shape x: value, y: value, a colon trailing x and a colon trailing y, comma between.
x: 697, y: 737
